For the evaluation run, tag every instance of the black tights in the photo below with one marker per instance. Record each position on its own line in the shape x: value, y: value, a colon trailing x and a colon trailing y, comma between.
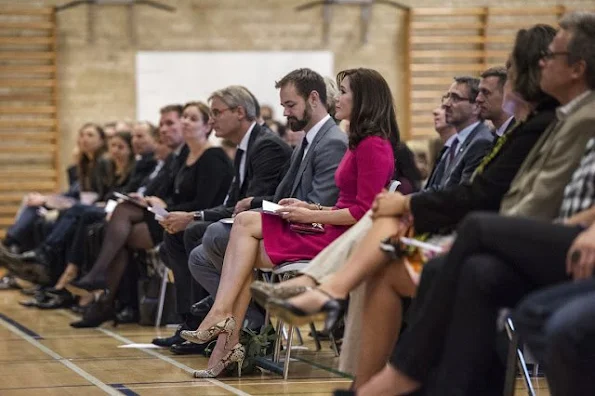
x: 126, y: 229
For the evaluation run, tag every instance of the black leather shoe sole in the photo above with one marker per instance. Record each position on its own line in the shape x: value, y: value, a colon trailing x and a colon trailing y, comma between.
x: 188, y: 348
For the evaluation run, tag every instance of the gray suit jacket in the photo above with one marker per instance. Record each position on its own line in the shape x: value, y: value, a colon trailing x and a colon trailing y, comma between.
x: 469, y: 155
x: 538, y: 187
x: 314, y: 180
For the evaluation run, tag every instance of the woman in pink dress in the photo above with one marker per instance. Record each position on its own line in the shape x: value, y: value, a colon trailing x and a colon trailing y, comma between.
x: 260, y: 240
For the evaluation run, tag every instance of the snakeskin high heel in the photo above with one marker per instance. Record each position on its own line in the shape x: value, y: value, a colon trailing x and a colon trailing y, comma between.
x: 227, y: 325
x: 236, y: 355
x: 262, y: 292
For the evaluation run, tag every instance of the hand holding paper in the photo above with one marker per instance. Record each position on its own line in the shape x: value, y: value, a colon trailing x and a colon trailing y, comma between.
x: 271, y: 208
x: 160, y: 212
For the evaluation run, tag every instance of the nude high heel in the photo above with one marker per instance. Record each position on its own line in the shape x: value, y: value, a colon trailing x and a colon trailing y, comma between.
x: 236, y: 355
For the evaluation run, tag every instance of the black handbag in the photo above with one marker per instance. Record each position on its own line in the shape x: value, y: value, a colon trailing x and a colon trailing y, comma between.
x: 148, y: 302
x: 149, y: 286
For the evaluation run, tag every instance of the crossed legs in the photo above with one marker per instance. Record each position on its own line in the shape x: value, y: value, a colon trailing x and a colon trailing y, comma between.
x: 245, y: 252
x: 364, y: 261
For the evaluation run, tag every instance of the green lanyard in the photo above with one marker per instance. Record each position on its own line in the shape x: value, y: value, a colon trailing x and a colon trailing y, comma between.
x: 495, y: 150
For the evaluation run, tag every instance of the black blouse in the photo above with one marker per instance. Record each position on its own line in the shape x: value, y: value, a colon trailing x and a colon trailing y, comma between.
x: 204, y: 184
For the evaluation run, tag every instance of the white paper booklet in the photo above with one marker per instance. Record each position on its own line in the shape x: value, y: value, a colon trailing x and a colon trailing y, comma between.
x: 160, y: 212
x: 270, y: 207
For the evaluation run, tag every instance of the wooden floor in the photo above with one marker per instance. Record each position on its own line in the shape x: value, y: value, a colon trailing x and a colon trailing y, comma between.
x: 40, y: 354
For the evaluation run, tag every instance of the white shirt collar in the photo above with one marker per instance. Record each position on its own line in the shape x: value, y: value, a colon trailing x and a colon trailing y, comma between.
x: 244, y: 143
x: 500, y: 131
x: 178, y: 150
x: 311, y: 134
x: 568, y: 107
x: 464, y: 133
x: 449, y: 141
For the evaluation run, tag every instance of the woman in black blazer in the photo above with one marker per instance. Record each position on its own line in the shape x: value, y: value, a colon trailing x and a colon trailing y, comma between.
x: 201, y: 182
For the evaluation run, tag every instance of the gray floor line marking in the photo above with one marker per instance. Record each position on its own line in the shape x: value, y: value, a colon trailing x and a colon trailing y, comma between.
x: 104, y: 387
x: 167, y: 359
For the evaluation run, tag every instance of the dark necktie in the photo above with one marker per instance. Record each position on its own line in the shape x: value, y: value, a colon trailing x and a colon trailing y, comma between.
x: 452, y: 151
x: 236, y: 164
x: 303, y: 148
x: 438, y: 168
x: 286, y: 186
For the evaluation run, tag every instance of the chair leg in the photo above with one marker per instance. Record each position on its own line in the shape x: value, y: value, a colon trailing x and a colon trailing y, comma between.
x: 333, y: 344
x: 299, y: 336
x: 515, y: 356
x: 161, y: 297
x: 288, y: 353
x: 278, y: 341
x: 315, y: 336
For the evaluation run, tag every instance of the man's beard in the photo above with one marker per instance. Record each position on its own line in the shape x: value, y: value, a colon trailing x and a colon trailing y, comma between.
x: 299, y: 125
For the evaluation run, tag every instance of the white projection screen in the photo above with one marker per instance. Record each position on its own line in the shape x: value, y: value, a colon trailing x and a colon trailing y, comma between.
x: 177, y: 77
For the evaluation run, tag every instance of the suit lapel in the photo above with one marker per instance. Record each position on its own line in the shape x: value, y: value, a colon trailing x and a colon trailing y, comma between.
x: 462, y: 148
x: 438, y: 169
x: 256, y: 131
x: 298, y: 177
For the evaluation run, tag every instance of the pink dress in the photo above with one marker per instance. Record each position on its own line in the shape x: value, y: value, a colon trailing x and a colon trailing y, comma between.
x: 361, y: 175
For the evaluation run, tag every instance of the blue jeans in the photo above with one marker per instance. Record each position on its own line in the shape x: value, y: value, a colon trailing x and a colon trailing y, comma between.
x: 558, y: 326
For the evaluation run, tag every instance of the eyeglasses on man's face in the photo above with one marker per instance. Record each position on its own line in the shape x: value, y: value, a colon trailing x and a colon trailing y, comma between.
x: 455, y: 98
x: 548, y: 54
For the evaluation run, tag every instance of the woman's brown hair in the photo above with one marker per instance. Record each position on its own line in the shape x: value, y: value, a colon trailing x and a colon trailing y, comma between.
x: 528, y: 50
x: 85, y: 165
x: 373, y: 112
x: 118, y: 179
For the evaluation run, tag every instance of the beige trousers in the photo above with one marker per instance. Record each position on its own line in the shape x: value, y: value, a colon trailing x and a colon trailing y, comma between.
x: 331, y: 260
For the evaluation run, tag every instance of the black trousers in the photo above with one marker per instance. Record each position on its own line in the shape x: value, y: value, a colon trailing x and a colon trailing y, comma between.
x: 174, y: 252
x: 558, y: 326
x: 494, y: 262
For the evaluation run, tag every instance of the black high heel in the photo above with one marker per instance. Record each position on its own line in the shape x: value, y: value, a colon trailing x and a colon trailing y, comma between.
x: 101, y: 311
x: 331, y: 311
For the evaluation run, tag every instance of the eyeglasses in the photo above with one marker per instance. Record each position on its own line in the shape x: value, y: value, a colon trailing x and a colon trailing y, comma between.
x: 216, y: 113
x: 549, y: 54
x: 454, y: 98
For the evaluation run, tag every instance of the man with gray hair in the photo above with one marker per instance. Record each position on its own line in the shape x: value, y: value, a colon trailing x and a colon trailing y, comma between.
x: 310, y: 178
x: 259, y: 161
x: 567, y: 74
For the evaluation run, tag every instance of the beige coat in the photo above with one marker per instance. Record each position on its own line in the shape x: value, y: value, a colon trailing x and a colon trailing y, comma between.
x: 538, y: 187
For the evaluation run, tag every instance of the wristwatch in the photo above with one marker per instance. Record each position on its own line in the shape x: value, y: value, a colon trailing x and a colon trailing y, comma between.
x: 199, y: 215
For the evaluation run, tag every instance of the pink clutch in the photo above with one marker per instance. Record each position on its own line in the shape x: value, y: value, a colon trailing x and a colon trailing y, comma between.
x: 307, y: 228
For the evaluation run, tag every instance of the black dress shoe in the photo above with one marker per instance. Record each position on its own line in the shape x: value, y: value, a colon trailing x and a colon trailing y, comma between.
x: 39, y: 297
x: 127, y: 315
x: 7, y: 283
x: 188, y: 348
x: 31, y: 271
x: 175, y: 339
x: 200, y: 309
x: 57, y: 299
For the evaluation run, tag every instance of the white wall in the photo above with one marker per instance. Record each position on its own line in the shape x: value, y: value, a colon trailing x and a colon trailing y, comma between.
x: 178, y: 77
